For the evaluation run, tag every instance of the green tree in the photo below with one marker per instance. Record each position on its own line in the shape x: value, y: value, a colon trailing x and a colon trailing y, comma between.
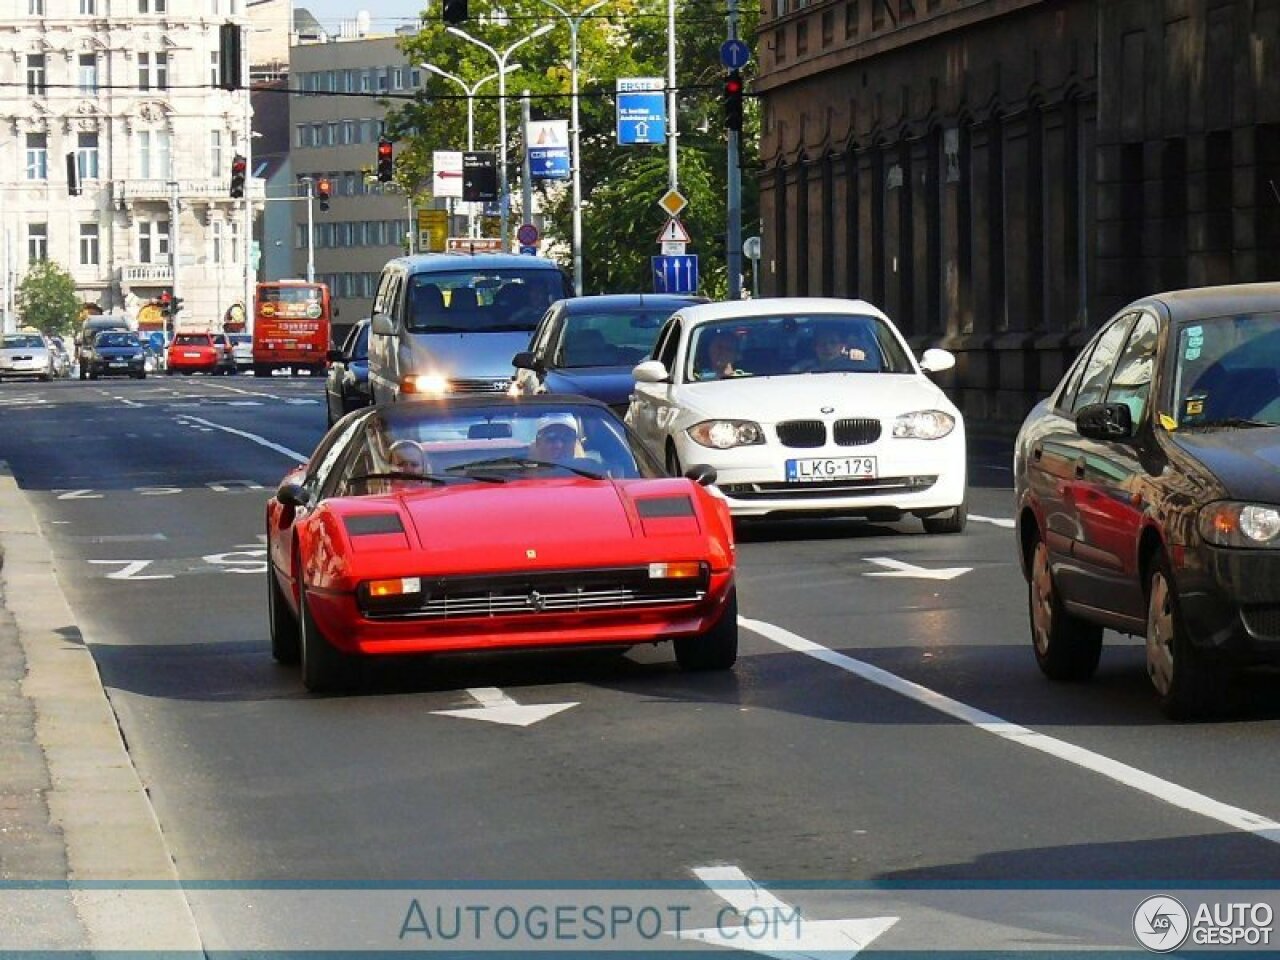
x: 47, y: 298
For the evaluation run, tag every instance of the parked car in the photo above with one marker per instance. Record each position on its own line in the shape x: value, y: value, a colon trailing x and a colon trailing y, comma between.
x: 450, y: 323
x: 89, y: 331
x: 346, y: 384
x: 242, y: 350
x: 117, y: 353
x: 1149, y: 496
x: 203, y: 352
x: 805, y: 406
x: 26, y: 354
x: 590, y: 345
x: 440, y: 526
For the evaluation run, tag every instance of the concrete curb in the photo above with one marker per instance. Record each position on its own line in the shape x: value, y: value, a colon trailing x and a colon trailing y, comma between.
x: 95, y: 799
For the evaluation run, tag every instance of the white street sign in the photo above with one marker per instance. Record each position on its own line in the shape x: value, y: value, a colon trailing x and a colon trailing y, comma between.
x: 828, y: 939
x: 446, y: 173
x: 673, y: 248
x: 496, y: 707
x: 897, y: 568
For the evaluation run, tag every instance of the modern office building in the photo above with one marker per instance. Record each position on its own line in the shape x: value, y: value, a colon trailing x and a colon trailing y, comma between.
x: 1002, y: 175
x: 130, y: 89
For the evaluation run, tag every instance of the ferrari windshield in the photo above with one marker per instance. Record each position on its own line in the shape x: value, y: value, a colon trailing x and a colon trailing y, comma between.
x: 770, y: 346
x: 1226, y: 370
x: 484, y: 301
x: 493, y: 442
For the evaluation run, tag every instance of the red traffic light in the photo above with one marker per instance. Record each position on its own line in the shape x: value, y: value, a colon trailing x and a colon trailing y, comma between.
x: 323, y: 188
x: 166, y: 297
x: 384, y: 148
x: 733, y: 86
x: 238, y: 164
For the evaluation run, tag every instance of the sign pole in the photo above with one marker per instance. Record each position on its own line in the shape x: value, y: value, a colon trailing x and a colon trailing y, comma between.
x: 733, y: 242
x: 673, y: 178
x: 526, y: 169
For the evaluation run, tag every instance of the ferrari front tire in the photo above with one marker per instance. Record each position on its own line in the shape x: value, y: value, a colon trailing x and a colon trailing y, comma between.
x: 285, y: 639
x: 325, y: 669
x: 717, y: 648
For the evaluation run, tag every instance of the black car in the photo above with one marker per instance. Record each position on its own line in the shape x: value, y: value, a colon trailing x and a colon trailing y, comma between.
x: 346, y: 385
x: 589, y: 345
x: 1148, y: 492
x: 116, y: 353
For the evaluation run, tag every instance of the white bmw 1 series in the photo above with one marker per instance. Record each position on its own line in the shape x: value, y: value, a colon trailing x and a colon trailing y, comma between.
x: 805, y: 405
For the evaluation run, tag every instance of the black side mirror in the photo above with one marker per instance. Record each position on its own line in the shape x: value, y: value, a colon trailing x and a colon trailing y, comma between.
x: 292, y: 494
x: 1105, y: 421
x: 334, y: 356
x: 702, y: 474
x: 524, y: 361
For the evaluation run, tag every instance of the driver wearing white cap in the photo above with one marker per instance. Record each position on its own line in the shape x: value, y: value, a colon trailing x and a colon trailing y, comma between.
x: 557, y: 438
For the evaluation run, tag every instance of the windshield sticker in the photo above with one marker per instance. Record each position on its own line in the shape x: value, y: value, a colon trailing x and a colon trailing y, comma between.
x: 1191, y: 353
x: 1195, y: 331
x: 1168, y: 422
x: 1193, y: 406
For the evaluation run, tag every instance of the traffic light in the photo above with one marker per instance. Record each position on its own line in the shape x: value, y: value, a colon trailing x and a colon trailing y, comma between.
x: 324, y: 190
x: 239, y: 166
x: 73, y: 176
x: 229, y: 57
x: 733, y: 100
x: 175, y: 306
x: 386, y: 161
x: 455, y: 11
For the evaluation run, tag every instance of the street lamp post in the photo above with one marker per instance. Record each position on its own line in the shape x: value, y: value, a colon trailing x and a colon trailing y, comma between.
x: 470, y: 91
x: 575, y: 144
x: 311, y: 249
x: 504, y: 199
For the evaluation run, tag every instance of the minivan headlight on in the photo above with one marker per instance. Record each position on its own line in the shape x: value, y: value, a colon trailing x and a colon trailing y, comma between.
x: 726, y: 434
x: 1230, y: 524
x: 924, y: 425
x: 431, y: 384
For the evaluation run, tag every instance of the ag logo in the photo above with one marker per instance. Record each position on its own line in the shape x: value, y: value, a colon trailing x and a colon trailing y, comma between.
x: 1161, y: 924
x: 313, y: 310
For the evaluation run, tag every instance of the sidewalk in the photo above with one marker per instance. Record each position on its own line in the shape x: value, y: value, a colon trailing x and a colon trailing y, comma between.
x: 71, y: 805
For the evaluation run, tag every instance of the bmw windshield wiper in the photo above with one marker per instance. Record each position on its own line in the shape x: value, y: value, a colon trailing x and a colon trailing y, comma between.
x: 526, y: 462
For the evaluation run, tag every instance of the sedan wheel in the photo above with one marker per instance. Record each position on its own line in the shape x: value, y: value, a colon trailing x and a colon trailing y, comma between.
x: 1066, y: 647
x: 952, y: 521
x: 1187, y: 683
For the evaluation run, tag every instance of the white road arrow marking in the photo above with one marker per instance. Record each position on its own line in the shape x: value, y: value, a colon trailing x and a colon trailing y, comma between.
x: 132, y: 570
x: 773, y: 927
x: 86, y: 494
x: 497, y: 707
x: 994, y: 521
x: 897, y: 568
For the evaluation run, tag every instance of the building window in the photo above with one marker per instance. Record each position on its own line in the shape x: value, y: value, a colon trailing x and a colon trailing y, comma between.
x: 153, y: 71
x: 397, y: 78
x: 780, y: 45
x: 317, y: 135
x: 88, y: 244
x: 37, y: 242
x: 851, y: 19
x: 214, y: 77
x: 415, y: 77
x: 300, y: 135
x: 382, y: 80
x: 366, y: 82
x: 215, y: 153
x: 331, y: 134
x: 153, y: 241
x: 36, y: 82
x: 35, y: 8
x: 153, y: 154
x: 37, y: 156
x: 215, y: 241
x: 802, y: 37
x: 88, y: 73
x: 235, y: 240
x: 300, y: 237
x: 88, y: 8
x: 828, y: 27
x: 87, y: 155
x: 154, y: 6
x: 348, y: 131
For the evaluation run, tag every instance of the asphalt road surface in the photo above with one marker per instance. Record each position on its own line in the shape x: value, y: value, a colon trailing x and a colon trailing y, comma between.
x: 885, y: 722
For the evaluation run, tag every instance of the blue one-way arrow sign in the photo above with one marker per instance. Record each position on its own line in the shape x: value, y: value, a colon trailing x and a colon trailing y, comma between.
x: 675, y: 274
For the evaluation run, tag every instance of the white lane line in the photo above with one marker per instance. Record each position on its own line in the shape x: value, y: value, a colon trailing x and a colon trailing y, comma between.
x: 994, y: 521
x: 127, y: 402
x: 1165, y: 790
x: 261, y: 441
x: 242, y: 390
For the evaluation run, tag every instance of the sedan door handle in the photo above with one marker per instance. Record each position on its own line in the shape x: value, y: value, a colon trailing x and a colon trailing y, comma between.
x: 1037, y: 452
x: 1079, y: 469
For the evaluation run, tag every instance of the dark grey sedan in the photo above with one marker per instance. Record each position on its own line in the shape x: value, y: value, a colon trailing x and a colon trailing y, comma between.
x: 117, y: 353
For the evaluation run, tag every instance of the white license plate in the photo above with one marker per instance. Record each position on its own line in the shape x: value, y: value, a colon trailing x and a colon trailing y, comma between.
x: 192, y: 356
x: 117, y: 363
x: 830, y: 468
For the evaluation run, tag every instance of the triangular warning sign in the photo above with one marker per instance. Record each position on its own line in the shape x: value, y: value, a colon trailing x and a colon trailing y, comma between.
x: 673, y: 232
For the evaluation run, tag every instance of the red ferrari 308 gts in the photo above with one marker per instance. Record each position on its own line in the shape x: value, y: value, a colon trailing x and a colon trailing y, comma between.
x: 494, y: 523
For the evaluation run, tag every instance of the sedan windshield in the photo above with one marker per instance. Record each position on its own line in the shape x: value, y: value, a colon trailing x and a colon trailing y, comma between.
x: 770, y: 346
x: 1226, y: 371
x: 117, y: 340
x: 22, y: 341
x: 491, y: 443
x: 608, y: 338
x: 470, y: 301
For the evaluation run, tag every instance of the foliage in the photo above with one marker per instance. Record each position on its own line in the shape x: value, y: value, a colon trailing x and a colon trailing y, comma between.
x: 46, y: 298
x: 620, y: 185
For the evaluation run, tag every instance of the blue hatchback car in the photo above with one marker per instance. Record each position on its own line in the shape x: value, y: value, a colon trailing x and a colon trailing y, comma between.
x: 589, y: 345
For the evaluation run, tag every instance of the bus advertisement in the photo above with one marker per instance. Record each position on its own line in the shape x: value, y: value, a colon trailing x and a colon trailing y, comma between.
x: 291, y: 326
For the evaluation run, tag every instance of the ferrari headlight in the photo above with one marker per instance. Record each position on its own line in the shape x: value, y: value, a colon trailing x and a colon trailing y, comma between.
x: 431, y: 384
x: 924, y: 425
x: 1230, y: 524
x: 726, y: 434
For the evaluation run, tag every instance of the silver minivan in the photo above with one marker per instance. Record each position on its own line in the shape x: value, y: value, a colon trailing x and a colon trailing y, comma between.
x: 447, y: 323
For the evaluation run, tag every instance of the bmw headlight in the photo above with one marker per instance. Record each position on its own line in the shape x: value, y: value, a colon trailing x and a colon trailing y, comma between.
x: 1230, y: 524
x: 726, y: 434
x: 924, y: 425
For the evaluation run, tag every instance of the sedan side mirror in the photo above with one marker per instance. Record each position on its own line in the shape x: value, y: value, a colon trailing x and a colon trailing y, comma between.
x: 1105, y: 421
x: 651, y: 371
x: 292, y: 494
x: 334, y: 356
x: 935, y: 360
x: 702, y: 474
x: 383, y: 326
x: 524, y: 361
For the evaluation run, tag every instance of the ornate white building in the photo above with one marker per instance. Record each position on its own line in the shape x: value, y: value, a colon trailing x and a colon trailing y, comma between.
x: 130, y: 89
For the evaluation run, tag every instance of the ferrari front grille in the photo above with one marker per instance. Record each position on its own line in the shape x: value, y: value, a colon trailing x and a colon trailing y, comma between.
x: 560, y: 591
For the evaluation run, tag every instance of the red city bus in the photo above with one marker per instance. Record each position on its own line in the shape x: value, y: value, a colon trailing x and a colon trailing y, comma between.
x: 291, y: 326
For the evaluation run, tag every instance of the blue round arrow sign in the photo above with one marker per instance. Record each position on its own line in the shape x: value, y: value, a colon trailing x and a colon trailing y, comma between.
x: 735, y: 54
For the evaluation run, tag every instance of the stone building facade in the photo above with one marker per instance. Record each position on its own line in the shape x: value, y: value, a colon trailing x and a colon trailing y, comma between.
x: 129, y: 88
x: 1002, y: 175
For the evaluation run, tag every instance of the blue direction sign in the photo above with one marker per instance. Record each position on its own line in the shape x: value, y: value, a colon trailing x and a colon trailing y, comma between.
x: 642, y: 111
x: 675, y: 274
x: 549, y: 163
x: 735, y: 54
